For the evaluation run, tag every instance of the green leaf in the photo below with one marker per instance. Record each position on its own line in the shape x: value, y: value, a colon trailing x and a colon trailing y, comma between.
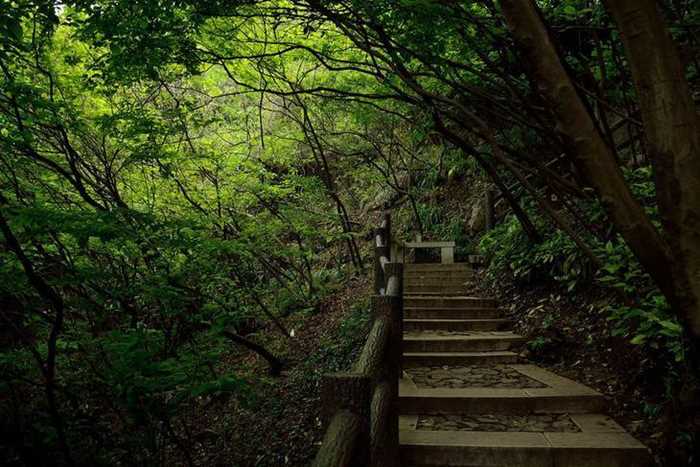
x: 639, y: 339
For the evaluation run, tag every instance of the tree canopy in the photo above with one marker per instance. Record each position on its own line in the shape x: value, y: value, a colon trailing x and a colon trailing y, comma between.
x: 178, y: 177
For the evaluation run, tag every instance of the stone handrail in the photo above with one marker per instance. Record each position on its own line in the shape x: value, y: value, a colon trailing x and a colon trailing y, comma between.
x: 359, y: 410
x: 447, y: 249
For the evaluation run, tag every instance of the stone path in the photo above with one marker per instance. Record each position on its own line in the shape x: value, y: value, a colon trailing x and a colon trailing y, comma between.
x: 466, y: 400
x: 498, y: 422
x: 476, y: 376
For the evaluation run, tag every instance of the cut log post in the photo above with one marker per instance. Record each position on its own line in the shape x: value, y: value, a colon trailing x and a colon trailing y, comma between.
x: 340, y: 442
x: 372, y: 360
x: 350, y: 392
x: 396, y: 317
x: 385, y: 401
x: 384, y: 431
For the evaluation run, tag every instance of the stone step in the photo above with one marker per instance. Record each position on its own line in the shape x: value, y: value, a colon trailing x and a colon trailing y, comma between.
x: 448, y: 302
x: 435, y: 282
x: 412, y: 324
x: 442, y: 293
x: 521, y: 449
x: 436, y: 279
x: 451, y: 313
x: 409, y: 269
x: 498, y: 400
x: 446, y: 268
x: 460, y: 342
x: 431, y: 290
x: 537, y: 391
x: 437, y: 267
x: 444, y: 289
x: 419, y: 359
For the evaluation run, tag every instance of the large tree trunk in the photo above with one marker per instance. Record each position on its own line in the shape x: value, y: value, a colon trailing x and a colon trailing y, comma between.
x: 672, y: 131
x: 592, y: 154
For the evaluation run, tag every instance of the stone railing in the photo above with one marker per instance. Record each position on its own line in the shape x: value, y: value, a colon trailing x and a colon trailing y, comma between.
x: 447, y: 249
x: 359, y: 409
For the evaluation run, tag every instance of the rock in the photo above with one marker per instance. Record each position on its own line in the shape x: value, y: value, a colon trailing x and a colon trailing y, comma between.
x: 635, y: 426
x: 477, y: 218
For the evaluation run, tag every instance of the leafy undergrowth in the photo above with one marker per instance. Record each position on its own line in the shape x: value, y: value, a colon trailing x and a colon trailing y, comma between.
x: 571, y: 333
x: 278, y: 424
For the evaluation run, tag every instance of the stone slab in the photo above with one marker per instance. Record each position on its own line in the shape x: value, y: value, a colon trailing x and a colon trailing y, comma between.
x: 414, y: 400
x: 451, y: 324
x: 498, y: 423
x: 462, y: 341
x: 440, y: 448
x: 411, y: 359
x: 429, y: 244
x: 524, y: 449
x: 595, y: 423
x: 554, y: 380
x: 451, y: 313
x: 438, y: 301
x: 408, y: 422
x: 456, y: 292
x: 473, y: 439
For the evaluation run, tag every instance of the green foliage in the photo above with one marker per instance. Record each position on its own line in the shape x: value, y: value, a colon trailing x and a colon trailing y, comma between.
x: 339, y: 350
x: 650, y: 323
x: 162, y: 204
x: 538, y: 343
x: 556, y: 258
x: 640, y: 314
x: 149, y: 383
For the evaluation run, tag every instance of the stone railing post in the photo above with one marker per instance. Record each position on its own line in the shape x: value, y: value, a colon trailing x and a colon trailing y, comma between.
x: 382, y: 234
x: 379, y: 276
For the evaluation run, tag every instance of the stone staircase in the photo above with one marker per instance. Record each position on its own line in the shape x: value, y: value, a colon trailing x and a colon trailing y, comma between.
x: 466, y: 401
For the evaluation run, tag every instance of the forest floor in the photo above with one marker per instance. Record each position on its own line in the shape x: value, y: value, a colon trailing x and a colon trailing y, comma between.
x: 569, y: 334
x: 278, y: 425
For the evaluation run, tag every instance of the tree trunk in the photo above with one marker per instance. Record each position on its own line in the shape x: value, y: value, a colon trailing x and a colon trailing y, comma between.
x: 52, y: 297
x: 274, y: 362
x: 527, y: 225
x: 592, y: 154
x: 672, y: 132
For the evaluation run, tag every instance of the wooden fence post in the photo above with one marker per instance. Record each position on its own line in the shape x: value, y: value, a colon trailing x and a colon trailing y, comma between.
x: 351, y: 392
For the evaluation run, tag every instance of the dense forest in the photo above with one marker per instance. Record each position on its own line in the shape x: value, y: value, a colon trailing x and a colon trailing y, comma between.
x: 188, y: 191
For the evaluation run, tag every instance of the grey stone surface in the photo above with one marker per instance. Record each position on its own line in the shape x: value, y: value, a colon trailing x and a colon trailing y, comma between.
x: 550, y: 423
x: 477, y: 376
x: 434, y: 333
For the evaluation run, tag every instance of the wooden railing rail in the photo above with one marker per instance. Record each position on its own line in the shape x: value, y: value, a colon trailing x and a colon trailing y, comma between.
x: 360, y: 409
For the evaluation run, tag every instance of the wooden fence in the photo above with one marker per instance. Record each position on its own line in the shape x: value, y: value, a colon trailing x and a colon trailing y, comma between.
x: 359, y: 409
